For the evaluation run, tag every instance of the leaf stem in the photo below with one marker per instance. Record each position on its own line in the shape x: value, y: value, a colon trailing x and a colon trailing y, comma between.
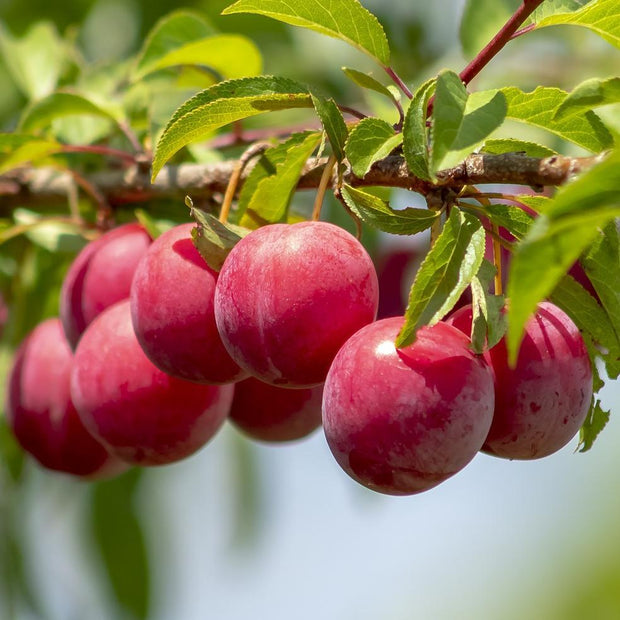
x: 523, y: 31
x: 352, y: 111
x: 483, y: 57
x: 398, y: 81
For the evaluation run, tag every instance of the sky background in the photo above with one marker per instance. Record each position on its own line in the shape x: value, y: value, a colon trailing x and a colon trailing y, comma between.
x: 500, y: 540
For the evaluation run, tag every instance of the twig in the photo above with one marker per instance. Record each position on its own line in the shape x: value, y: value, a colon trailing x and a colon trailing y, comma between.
x: 499, y: 40
x: 99, y: 150
x: 42, y: 186
x: 495, y: 45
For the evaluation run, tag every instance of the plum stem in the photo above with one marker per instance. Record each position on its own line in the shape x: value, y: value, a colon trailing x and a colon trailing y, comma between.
x: 323, y: 183
x: 231, y: 189
x: 497, y: 260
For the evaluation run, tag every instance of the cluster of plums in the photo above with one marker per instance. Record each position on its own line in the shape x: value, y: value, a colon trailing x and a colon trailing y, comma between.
x: 154, y: 350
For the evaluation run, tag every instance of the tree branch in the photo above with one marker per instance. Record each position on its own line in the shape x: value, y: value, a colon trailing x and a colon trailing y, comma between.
x: 45, y: 186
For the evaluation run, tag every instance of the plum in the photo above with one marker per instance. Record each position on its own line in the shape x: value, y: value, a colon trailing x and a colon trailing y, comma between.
x: 542, y: 402
x: 140, y: 413
x: 274, y: 414
x: 288, y: 297
x: 172, y: 311
x: 41, y: 412
x: 100, y: 276
x: 401, y: 421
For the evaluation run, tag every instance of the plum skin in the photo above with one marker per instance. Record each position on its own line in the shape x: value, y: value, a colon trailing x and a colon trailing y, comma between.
x: 273, y: 414
x: 172, y: 298
x: 140, y: 413
x: 401, y: 421
x: 288, y: 297
x: 100, y: 276
x: 541, y: 403
x: 41, y: 412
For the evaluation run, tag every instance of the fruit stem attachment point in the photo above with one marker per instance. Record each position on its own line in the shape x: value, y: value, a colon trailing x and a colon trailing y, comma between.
x: 324, y: 182
x: 497, y: 260
x: 231, y: 189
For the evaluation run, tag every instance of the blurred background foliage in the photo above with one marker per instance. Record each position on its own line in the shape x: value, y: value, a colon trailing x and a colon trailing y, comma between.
x: 241, y: 530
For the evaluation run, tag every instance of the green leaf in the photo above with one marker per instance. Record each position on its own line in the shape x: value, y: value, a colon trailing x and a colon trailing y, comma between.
x: 41, y: 113
x: 589, y: 317
x: 333, y: 124
x: 16, y: 584
x: 539, y: 203
x: 540, y: 261
x: 378, y: 214
x: 170, y: 33
x: 35, y: 290
x: 602, y: 266
x: 12, y: 455
x: 448, y: 113
x: 17, y: 149
x: 415, y: 133
x: 488, y: 317
x: 370, y: 140
x: 36, y: 60
x: 538, y: 107
x: 223, y: 104
x: 245, y: 470
x: 266, y: 166
x: 514, y: 219
x: 227, y: 55
x: 551, y: 7
x: 462, y: 122
x: 508, y: 145
x: 347, y: 20
x: 445, y: 273
x: 481, y: 21
x: 213, y: 239
x: 120, y: 541
x: 484, y: 113
x: 367, y: 81
x: 154, y: 226
x: 590, y: 94
x: 601, y: 17
x: 595, y: 422
x: 53, y: 234
x: 597, y: 188
x: 273, y: 187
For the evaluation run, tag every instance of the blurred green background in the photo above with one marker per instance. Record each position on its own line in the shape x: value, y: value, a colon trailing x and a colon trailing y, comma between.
x: 251, y: 531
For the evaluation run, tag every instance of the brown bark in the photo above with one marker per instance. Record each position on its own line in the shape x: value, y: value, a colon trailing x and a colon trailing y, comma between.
x: 42, y: 186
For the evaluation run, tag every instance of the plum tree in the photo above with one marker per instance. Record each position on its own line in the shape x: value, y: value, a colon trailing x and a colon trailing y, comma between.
x: 269, y: 413
x: 541, y: 403
x: 288, y: 296
x: 430, y: 158
x: 172, y: 311
x: 400, y: 421
x: 41, y: 412
x: 143, y: 415
x: 100, y: 275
